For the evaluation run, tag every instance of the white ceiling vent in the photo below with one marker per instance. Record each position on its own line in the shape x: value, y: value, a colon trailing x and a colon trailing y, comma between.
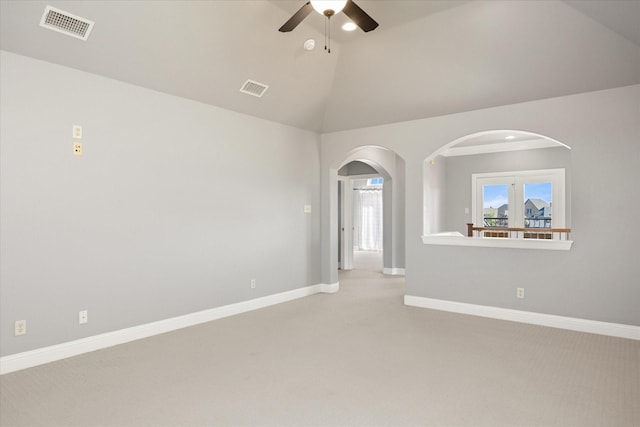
x: 66, y: 23
x: 254, y: 88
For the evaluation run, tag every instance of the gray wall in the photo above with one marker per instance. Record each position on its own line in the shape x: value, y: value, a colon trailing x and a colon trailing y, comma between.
x: 457, y: 185
x: 356, y: 168
x: 597, y: 279
x: 174, y: 207
x: 434, y: 195
x: 398, y: 223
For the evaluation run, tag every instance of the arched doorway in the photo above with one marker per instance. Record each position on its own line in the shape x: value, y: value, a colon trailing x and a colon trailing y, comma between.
x: 364, y: 191
x: 388, y: 165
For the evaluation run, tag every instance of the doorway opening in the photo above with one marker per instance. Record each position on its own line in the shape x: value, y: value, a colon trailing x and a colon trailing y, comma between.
x: 370, y: 211
x: 360, y: 215
x: 367, y: 206
x: 365, y: 162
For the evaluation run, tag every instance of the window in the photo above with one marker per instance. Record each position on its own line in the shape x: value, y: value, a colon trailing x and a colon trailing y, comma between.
x: 524, y: 199
x: 375, y: 182
x: 495, y: 204
x: 367, y: 214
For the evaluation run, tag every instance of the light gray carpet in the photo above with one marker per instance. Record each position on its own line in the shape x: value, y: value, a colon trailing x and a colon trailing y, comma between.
x: 358, y: 357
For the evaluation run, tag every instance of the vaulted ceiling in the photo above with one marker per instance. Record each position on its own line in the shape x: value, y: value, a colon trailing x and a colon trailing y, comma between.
x: 427, y: 58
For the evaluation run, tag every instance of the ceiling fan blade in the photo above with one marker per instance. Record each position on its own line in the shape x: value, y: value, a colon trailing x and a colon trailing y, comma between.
x: 359, y: 17
x: 297, y: 18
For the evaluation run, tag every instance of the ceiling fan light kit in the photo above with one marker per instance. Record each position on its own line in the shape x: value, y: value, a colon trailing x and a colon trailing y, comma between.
x: 328, y: 7
x: 349, y: 26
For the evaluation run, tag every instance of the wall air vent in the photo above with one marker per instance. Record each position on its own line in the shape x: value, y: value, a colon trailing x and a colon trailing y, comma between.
x: 66, y: 23
x: 254, y: 88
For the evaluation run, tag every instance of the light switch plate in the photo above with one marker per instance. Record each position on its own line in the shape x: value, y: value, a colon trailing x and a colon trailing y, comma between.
x: 77, y: 131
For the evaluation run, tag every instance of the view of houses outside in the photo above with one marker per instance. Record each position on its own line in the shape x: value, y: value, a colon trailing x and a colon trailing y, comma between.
x: 537, y: 211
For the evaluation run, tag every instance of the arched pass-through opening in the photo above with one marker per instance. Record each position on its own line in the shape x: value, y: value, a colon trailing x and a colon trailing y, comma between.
x: 382, y: 163
x: 362, y: 197
x: 506, y: 179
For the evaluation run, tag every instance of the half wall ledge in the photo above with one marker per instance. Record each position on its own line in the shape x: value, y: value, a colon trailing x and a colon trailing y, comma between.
x: 457, y: 239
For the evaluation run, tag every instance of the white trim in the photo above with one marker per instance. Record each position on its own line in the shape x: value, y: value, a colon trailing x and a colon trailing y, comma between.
x: 393, y: 271
x: 529, y: 144
x: 550, y: 320
x: 330, y: 289
x: 497, y: 242
x: 40, y: 356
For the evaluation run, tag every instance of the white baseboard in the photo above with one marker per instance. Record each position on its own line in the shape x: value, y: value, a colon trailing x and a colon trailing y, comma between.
x: 570, y: 323
x: 28, y: 359
x: 330, y: 289
x: 393, y: 271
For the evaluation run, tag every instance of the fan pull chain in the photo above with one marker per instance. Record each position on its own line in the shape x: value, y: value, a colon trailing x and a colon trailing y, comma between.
x: 325, y: 34
x: 329, y: 24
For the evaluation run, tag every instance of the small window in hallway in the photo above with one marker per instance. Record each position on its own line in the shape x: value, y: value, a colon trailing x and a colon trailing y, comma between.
x: 367, y: 214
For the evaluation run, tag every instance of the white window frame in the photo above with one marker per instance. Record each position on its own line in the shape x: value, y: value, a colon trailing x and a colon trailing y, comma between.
x: 516, y: 181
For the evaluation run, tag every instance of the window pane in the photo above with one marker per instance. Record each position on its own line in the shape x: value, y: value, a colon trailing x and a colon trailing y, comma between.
x: 495, y: 205
x: 538, y: 205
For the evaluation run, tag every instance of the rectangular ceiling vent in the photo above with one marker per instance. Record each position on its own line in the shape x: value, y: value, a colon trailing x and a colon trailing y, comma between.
x: 66, y: 23
x: 254, y: 88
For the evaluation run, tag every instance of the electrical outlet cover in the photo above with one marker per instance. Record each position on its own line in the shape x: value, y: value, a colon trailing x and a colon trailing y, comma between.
x: 20, y: 327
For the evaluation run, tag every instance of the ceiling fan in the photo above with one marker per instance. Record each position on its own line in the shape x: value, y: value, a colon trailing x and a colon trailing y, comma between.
x: 328, y: 9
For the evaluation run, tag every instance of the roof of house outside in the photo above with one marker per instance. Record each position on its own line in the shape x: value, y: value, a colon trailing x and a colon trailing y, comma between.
x: 538, y: 203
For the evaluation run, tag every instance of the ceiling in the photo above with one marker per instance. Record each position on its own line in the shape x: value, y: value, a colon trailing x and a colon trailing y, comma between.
x: 427, y: 58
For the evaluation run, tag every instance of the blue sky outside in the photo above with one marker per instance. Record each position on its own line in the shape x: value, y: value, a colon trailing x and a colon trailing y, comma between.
x: 495, y: 196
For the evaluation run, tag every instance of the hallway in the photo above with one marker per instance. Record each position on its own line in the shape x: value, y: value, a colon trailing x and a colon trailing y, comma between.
x: 367, y: 260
